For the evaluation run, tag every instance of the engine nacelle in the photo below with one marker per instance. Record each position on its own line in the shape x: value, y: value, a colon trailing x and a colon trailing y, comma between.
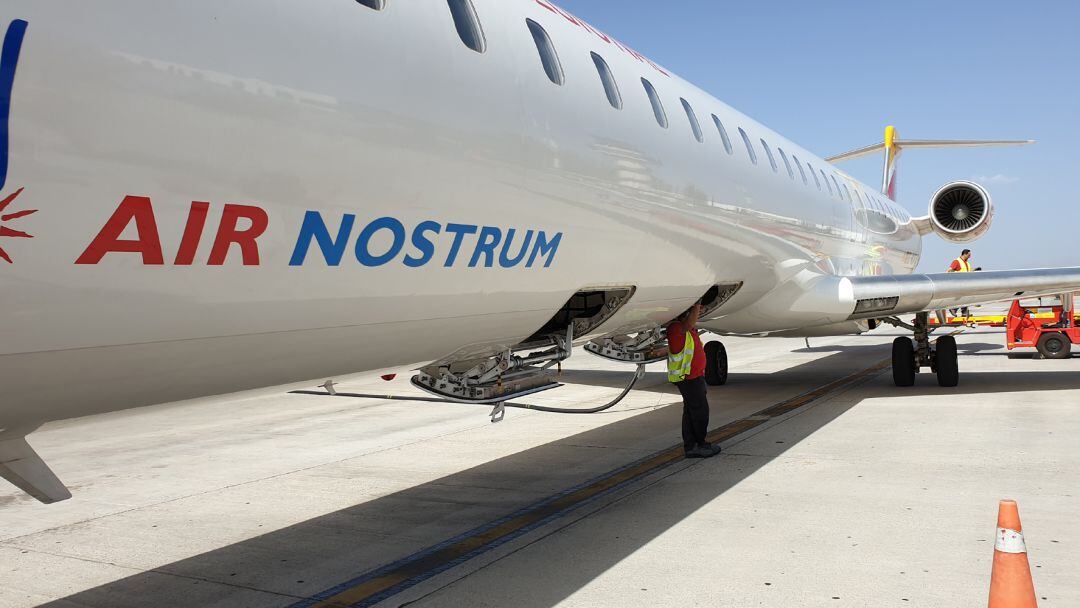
x: 961, y: 211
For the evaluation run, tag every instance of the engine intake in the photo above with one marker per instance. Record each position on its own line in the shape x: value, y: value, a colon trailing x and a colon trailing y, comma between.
x: 961, y: 211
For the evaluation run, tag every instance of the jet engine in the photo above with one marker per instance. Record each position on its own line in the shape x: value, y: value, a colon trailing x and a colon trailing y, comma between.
x: 961, y: 211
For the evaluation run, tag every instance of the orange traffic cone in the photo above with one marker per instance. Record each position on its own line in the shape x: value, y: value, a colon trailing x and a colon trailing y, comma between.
x: 1010, y: 582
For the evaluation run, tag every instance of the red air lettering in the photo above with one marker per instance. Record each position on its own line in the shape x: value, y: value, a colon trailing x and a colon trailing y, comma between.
x: 189, y: 243
x: 228, y: 234
x: 140, y: 210
x: 148, y: 243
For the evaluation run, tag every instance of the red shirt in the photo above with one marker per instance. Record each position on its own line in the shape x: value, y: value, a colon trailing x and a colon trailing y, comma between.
x: 676, y: 339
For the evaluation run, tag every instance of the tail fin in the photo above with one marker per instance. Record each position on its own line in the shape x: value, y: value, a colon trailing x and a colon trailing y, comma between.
x: 893, y: 146
x: 892, y: 154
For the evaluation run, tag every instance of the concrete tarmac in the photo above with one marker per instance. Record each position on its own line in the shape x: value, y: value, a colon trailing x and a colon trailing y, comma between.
x: 855, y: 494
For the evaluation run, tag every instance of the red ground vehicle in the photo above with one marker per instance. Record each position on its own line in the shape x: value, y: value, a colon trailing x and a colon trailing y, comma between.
x: 1052, y: 337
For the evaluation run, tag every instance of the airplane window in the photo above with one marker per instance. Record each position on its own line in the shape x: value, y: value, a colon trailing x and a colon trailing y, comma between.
x: 723, y: 133
x: 657, y: 107
x: 692, y: 117
x: 813, y: 174
x: 749, y: 146
x: 610, y: 86
x: 768, y: 152
x: 375, y: 4
x: 802, y: 172
x: 548, y: 57
x: 837, y: 184
x: 468, y: 26
x: 826, y: 180
x: 787, y: 163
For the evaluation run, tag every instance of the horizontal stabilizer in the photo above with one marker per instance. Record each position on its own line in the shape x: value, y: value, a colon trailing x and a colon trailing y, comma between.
x: 892, y: 146
x: 22, y: 466
x: 928, y: 143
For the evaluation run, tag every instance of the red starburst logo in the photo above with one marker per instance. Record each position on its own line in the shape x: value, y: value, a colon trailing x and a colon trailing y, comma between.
x: 4, y: 218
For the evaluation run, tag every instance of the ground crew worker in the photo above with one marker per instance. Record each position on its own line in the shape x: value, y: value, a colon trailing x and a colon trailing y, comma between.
x: 963, y: 264
x: 686, y: 370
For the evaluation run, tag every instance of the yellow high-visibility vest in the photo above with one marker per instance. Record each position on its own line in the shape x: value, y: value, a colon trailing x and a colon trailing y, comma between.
x: 965, y: 266
x: 679, y: 364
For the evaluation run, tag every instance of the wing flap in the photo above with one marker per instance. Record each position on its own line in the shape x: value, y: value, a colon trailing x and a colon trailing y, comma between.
x: 890, y: 295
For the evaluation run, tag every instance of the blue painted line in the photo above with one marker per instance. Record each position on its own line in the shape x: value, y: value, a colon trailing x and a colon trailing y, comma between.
x: 9, y: 60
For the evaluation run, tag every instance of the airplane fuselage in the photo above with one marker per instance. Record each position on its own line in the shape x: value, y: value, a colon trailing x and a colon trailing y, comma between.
x: 233, y: 195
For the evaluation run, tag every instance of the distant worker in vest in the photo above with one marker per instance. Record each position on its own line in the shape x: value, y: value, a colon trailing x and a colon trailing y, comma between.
x: 686, y: 370
x: 963, y: 264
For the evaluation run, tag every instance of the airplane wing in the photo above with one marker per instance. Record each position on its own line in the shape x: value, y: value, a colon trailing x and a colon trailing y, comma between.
x: 877, y: 297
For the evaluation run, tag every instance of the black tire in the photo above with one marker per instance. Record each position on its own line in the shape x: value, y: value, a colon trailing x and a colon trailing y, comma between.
x: 903, y: 362
x: 947, y: 362
x: 1055, y: 346
x: 716, y: 364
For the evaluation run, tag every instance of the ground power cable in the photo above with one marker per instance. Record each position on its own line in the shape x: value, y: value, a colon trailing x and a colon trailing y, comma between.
x: 638, y: 374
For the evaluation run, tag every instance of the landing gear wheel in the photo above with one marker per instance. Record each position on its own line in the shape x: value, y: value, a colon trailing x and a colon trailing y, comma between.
x: 948, y: 368
x: 1054, y: 346
x: 903, y: 362
x: 716, y: 366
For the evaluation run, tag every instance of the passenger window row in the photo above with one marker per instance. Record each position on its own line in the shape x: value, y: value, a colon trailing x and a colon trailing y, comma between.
x: 550, y: 62
x: 471, y: 33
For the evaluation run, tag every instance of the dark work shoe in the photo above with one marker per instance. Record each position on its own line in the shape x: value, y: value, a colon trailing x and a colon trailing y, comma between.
x: 699, y: 452
x: 712, y: 449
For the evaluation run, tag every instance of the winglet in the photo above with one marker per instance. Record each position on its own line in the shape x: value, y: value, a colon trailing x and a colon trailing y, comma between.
x: 22, y: 466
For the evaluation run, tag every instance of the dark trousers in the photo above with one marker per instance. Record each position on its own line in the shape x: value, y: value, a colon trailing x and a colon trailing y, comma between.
x: 695, y: 413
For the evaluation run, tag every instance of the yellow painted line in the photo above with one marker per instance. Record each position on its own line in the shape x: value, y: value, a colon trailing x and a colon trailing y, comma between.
x: 390, y: 580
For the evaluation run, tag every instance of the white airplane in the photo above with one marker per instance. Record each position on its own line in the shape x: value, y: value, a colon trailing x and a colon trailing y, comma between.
x: 230, y: 195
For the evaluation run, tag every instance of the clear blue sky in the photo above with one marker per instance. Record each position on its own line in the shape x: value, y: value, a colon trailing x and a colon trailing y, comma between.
x: 831, y: 75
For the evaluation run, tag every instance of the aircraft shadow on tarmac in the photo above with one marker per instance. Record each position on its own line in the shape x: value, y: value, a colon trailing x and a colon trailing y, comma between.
x: 315, y: 553
x: 962, y: 347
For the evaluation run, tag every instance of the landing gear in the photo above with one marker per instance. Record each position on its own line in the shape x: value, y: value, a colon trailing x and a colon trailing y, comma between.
x: 909, y: 356
x: 945, y: 362
x: 716, y: 364
x: 903, y: 362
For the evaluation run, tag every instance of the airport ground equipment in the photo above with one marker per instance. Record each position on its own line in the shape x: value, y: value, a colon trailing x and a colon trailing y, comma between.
x: 1053, y: 338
